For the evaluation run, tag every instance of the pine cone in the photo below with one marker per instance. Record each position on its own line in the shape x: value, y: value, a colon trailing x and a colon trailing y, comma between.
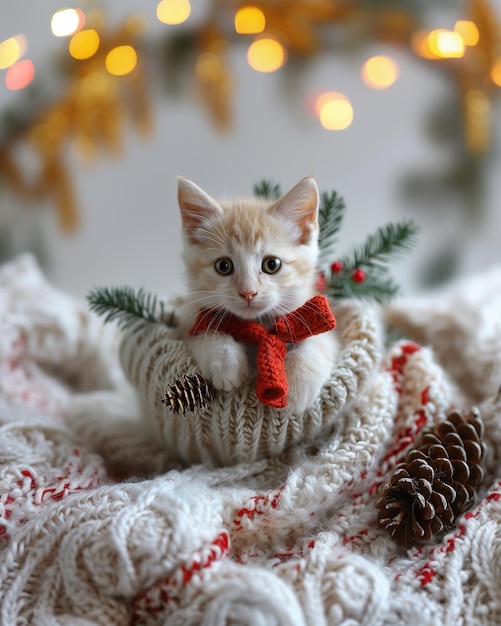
x: 188, y: 393
x: 437, y: 481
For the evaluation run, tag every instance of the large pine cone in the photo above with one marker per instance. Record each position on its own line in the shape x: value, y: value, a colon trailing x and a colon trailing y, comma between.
x: 436, y: 482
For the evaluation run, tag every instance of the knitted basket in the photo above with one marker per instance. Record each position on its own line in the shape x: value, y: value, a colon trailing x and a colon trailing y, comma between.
x: 237, y: 427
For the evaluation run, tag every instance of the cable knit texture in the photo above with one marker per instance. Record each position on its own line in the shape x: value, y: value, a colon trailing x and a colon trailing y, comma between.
x: 114, y: 511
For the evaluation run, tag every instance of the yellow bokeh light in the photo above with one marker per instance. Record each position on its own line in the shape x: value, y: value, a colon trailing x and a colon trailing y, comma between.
x: 173, y: 11
x: 249, y: 21
x: 496, y: 73
x: 334, y: 110
x: 266, y: 55
x: 67, y: 22
x: 379, y: 72
x: 11, y: 50
x: 468, y: 31
x: 121, y: 60
x: 84, y: 44
x: 446, y: 44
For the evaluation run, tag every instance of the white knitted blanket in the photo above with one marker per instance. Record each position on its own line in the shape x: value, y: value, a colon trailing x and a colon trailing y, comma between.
x: 100, y: 525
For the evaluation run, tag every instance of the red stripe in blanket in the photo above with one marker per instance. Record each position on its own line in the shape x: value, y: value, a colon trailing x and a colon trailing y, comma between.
x: 155, y: 599
x: 29, y: 490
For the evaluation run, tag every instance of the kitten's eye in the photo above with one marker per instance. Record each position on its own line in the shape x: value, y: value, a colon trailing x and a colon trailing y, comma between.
x: 224, y: 267
x: 271, y: 265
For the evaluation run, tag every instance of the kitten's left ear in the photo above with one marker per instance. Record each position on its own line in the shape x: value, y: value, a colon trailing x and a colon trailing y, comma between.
x: 300, y: 207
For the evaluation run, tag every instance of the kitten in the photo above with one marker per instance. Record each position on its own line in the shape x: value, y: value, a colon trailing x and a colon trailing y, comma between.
x: 258, y: 260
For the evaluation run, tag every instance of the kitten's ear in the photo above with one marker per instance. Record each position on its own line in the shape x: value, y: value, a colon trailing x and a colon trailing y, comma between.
x: 196, y: 207
x: 299, y: 206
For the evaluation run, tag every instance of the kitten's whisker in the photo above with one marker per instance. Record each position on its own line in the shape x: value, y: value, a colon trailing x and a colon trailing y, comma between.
x: 213, y: 314
x: 211, y: 299
x: 208, y: 301
x: 283, y: 312
x: 320, y: 311
x: 206, y: 313
x: 216, y: 321
x: 317, y: 308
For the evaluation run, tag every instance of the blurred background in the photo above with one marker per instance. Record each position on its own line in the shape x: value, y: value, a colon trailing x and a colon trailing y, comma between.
x: 393, y: 104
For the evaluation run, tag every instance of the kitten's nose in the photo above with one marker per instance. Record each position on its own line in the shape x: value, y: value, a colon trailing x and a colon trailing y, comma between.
x: 248, y: 295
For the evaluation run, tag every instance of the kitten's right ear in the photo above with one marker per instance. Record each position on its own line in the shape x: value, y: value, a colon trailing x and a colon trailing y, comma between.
x: 196, y: 208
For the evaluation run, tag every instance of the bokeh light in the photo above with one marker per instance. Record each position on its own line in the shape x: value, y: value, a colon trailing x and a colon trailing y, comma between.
x: 249, y: 21
x: 121, y: 60
x: 379, y: 72
x: 334, y: 110
x: 11, y: 50
x: 468, y: 31
x: 67, y: 22
x: 446, y: 44
x: 173, y: 11
x: 438, y: 44
x: 266, y: 54
x: 20, y: 75
x: 84, y: 44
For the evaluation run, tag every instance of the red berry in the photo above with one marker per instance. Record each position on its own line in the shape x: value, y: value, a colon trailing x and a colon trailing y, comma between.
x: 321, y: 282
x: 358, y: 276
x: 336, y: 267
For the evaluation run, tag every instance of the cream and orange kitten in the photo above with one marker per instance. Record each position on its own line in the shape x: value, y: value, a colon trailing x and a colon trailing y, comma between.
x: 258, y: 260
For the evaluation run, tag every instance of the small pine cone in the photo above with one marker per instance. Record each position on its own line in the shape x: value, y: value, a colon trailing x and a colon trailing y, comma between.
x: 436, y: 482
x: 188, y: 393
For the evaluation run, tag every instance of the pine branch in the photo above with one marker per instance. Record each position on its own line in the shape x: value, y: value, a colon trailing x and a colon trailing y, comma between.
x: 330, y: 219
x: 382, y: 247
x: 364, y: 273
x: 379, y: 289
x: 267, y: 189
x: 126, y: 306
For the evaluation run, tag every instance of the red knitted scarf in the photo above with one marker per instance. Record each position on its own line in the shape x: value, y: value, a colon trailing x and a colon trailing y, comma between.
x: 312, y: 318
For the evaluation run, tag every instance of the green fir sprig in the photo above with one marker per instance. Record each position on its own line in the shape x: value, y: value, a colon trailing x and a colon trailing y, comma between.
x: 127, y: 306
x: 364, y: 273
x: 330, y: 220
x: 383, y: 246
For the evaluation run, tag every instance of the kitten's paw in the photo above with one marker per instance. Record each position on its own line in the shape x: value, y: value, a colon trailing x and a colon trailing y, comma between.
x: 304, y: 386
x: 228, y: 368
x: 308, y: 367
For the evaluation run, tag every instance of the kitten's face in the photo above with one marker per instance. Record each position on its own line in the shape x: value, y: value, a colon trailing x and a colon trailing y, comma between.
x: 250, y: 257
